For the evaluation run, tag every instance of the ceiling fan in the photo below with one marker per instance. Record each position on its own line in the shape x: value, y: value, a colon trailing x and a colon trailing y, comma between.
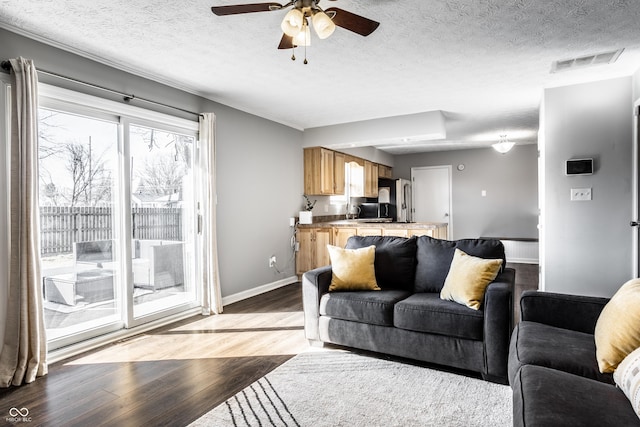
x: 295, y: 24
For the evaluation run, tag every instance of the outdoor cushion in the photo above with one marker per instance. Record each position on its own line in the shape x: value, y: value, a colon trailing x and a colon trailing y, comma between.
x: 548, y: 398
x: 395, y: 260
x: 562, y: 349
x: 374, y: 307
x: 426, y: 312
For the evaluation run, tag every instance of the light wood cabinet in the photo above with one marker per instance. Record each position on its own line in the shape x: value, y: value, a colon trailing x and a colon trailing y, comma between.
x: 437, y: 233
x: 369, y: 231
x: 399, y: 232
x: 385, y: 171
x: 312, y: 251
x: 338, y: 172
x: 370, y: 179
x: 342, y: 234
x: 323, y: 171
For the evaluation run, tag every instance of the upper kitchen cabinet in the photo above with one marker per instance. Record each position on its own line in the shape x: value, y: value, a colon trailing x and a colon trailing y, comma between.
x: 323, y: 171
x: 385, y: 172
x: 370, y: 179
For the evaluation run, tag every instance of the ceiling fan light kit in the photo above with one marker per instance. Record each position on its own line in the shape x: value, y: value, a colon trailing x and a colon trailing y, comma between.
x: 295, y: 24
x: 503, y: 146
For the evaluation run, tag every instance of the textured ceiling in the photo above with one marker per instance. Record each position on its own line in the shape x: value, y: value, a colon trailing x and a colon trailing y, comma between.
x: 484, y: 63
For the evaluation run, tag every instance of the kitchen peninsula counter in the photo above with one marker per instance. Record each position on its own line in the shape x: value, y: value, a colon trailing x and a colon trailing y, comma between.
x: 313, y: 238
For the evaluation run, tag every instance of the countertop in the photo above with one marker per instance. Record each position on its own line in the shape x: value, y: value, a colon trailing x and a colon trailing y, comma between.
x: 369, y: 223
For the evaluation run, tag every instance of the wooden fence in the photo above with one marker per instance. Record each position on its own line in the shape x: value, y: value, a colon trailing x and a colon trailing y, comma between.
x: 61, y: 227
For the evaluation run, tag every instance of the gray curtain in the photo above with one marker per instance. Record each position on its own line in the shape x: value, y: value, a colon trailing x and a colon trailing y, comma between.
x: 24, y: 350
x: 211, y: 293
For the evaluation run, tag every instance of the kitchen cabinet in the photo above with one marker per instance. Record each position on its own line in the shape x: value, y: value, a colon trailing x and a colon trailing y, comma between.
x: 399, y: 232
x: 342, y: 234
x: 370, y: 179
x: 385, y: 171
x: 370, y: 231
x: 339, y: 172
x: 323, y: 171
x: 440, y: 232
x: 312, y: 251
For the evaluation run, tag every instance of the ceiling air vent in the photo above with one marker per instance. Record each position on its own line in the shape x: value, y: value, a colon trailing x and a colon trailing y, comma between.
x: 586, y: 61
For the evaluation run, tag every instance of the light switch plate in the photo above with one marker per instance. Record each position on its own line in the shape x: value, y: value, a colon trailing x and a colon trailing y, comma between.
x: 580, y: 194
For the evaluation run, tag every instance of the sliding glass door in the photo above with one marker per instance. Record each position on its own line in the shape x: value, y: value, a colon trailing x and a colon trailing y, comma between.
x: 117, y: 197
x: 80, y: 235
x: 162, y: 218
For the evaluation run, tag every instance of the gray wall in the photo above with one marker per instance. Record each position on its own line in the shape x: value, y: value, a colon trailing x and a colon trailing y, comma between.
x: 587, y: 245
x: 510, y: 208
x: 259, y: 171
x: 636, y: 85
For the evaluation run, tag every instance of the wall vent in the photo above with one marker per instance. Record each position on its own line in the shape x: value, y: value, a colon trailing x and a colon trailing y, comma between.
x: 586, y: 61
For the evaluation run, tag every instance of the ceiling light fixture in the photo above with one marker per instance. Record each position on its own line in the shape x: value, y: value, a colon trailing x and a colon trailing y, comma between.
x: 503, y: 145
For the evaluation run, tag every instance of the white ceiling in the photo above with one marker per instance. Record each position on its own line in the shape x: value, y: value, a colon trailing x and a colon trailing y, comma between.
x: 483, y: 63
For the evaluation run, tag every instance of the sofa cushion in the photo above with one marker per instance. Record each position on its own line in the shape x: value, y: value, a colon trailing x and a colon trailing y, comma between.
x: 562, y: 349
x: 374, y: 307
x: 352, y: 269
x: 468, y: 278
x: 434, y: 256
x: 395, y: 261
x: 617, y: 333
x: 546, y: 397
x: 426, y: 312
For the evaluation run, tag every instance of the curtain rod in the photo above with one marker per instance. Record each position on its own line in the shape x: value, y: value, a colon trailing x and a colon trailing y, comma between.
x: 6, y: 66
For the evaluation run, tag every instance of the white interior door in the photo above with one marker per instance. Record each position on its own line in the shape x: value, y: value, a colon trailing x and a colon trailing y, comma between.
x: 432, y: 195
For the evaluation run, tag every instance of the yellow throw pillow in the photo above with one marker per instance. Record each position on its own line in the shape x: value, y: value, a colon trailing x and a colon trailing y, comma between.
x: 468, y: 278
x: 352, y: 269
x: 617, y: 330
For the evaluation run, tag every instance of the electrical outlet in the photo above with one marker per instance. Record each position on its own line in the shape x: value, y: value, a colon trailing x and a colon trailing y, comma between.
x: 272, y: 261
x: 580, y: 194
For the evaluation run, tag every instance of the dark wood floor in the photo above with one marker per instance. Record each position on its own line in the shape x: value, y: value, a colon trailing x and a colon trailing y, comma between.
x: 173, y: 375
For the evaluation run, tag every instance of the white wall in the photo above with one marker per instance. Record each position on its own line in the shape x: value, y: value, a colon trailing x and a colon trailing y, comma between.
x: 259, y: 171
x: 587, y: 245
x: 509, y: 209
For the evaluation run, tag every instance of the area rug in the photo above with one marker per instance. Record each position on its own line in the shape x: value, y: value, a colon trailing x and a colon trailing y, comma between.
x: 338, y: 388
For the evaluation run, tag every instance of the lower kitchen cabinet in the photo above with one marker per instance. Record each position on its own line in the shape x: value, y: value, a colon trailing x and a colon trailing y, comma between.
x: 312, y: 251
x: 342, y: 234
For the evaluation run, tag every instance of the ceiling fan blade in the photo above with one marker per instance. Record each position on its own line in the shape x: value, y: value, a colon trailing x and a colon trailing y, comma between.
x: 352, y: 22
x: 286, y: 42
x: 245, y: 8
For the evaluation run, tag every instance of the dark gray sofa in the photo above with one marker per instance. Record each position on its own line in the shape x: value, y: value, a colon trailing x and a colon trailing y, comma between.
x: 407, y: 318
x: 553, y: 369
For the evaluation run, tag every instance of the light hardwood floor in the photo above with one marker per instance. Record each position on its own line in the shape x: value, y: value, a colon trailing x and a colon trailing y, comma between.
x: 174, y: 375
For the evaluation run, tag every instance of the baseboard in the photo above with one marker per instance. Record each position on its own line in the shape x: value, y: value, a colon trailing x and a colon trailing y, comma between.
x: 523, y: 260
x: 258, y: 290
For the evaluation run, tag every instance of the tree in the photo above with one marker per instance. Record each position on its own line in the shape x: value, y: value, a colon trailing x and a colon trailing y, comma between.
x: 169, y: 159
x: 91, y: 182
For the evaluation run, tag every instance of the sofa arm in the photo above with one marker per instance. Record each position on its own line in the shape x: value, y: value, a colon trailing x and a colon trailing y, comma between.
x: 315, y: 283
x: 498, y: 324
x: 574, y: 312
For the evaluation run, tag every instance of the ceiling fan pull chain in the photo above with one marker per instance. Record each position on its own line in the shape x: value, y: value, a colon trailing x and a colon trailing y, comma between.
x: 293, y: 53
x: 306, y: 42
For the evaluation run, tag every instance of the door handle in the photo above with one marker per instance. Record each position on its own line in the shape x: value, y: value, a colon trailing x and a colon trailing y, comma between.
x: 634, y: 223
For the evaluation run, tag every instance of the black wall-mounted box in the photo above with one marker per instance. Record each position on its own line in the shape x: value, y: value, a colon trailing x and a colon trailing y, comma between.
x: 579, y: 167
